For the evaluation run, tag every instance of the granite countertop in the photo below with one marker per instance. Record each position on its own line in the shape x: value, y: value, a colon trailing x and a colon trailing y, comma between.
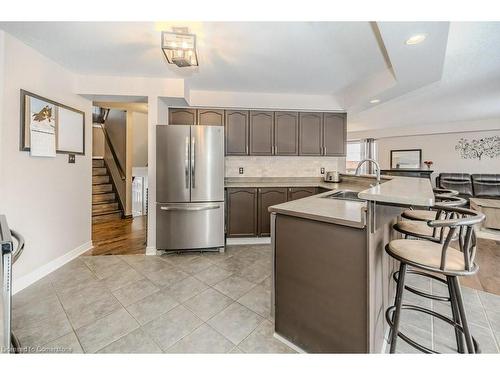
x: 317, y: 207
x: 406, y: 191
x: 358, y: 182
x: 397, y: 190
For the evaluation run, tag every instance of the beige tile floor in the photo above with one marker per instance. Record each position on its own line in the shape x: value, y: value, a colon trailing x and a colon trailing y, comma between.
x: 190, y: 303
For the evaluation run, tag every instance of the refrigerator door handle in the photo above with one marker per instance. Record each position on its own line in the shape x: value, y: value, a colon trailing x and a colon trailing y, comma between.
x: 166, y: 208
x: 186, y: 164
x: 193, y: 165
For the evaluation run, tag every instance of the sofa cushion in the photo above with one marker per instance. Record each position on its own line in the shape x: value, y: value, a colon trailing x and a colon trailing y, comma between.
x: 460, y: 182
x: 486, y: 185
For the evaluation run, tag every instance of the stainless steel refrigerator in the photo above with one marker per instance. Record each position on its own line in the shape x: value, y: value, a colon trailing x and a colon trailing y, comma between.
x: 189, y: 187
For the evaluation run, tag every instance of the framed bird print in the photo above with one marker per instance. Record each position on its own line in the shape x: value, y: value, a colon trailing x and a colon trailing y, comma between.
x: 48, y: 127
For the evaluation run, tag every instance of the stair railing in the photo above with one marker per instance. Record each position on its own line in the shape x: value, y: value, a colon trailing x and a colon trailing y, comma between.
x: 112, y: 149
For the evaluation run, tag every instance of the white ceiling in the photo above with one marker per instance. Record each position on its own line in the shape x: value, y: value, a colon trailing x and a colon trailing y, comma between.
x: 453, y: 75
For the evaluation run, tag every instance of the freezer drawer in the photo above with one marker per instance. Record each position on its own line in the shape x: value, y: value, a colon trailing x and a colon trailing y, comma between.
x: 183, y: 226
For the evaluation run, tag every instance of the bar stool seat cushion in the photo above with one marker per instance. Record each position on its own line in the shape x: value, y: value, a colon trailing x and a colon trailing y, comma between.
x: 419, y: 228
x: 422, y: 215
x: 427, y: 254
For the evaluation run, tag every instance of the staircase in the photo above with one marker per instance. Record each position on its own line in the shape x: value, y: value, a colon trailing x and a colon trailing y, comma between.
x: 105, y: 205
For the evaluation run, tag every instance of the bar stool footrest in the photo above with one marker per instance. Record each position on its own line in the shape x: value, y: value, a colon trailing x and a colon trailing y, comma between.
x: 388, y: 318
x: 419, y: 292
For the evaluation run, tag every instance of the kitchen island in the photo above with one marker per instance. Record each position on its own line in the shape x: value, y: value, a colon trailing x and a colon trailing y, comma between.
x: 332, y: 278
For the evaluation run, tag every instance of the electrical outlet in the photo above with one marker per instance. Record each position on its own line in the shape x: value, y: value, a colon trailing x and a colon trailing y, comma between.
x: 322, y: 170
x: 71, y: 158
x: 241, y: 170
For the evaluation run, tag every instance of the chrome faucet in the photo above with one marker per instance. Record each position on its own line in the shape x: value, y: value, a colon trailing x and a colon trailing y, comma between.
x: 377, y: 168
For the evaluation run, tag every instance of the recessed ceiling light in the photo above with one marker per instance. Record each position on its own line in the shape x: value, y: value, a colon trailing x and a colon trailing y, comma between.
x: 416, y: 39
x: 374, y: 101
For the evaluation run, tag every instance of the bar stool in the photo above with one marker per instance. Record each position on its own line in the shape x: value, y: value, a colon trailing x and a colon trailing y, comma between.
x: 431, y: 213
x: 442, y: 259
x: 416, y: 225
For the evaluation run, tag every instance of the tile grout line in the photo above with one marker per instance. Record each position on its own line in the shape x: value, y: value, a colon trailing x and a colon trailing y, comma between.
x: 111, y: 292
x: 67, y: 318
x: 492, y: 332
x: 215, y: 329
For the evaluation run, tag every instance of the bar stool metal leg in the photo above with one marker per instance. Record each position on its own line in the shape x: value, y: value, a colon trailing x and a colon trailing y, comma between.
x: 456, y: 315
x: 463, y: 317
x: 397, y: 303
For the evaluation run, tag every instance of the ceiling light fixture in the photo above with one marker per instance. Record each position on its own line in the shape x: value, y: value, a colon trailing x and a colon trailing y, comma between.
x: 179, y: 47
x: 415, y: 39
x: 375, y: 101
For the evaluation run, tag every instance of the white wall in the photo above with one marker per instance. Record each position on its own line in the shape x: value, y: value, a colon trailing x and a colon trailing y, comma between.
x: 440, y: 148
x: 46, y: 199
x: 228, y: 99
x: 140, y: 139
x: 282, y: 166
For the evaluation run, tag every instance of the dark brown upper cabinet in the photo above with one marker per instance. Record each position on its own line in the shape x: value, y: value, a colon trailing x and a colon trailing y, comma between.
x: 261, y: 133
x: 211, y: 117
x: 236, y: 132
x: 182, y: 116
x: 268, y: 197
x: 311, y: 133
x: 334, y: 134
x: 241, y: 212
x: 286, y: 133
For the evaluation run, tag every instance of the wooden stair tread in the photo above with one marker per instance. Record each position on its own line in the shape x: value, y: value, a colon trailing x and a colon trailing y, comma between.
x: 105, y: 204
x: 106, y: 212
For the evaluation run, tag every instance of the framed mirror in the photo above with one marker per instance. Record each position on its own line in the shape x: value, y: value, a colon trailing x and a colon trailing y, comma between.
x: 406, y: 159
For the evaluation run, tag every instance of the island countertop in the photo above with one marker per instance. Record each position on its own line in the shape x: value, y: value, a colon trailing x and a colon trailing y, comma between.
x: 405, y: 191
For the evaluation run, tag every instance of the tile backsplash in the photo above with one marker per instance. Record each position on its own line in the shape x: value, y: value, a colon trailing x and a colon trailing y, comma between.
x: 282, y: 166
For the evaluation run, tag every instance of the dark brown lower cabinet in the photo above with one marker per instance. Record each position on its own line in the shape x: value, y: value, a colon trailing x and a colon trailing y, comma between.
x: 300, y: 192
x: 242, y: 212
x: 247, y: 208
x: 268, y: 197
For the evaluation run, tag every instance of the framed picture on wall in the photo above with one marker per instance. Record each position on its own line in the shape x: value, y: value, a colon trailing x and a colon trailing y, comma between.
x: 49, y: 127
x: 406, y: 159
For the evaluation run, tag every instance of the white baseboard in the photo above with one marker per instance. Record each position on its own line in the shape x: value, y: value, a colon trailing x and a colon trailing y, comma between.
x: 288, y: 343
x: 150, y: 250
x: 26, y: 280
x: 249, y: 241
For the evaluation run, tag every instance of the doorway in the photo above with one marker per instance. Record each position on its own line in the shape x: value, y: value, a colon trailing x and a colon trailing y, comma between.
x: 119, y: 178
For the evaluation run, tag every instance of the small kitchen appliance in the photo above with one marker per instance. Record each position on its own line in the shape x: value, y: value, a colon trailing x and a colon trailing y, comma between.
x: 332, y: 176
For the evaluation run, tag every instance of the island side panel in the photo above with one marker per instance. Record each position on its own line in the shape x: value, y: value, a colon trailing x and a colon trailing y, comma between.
x: 320, y: 285
x: 381, y: 266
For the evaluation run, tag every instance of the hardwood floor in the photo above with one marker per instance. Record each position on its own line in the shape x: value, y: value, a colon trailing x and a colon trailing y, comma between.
x: 488, y: 259
x: 120, y: 236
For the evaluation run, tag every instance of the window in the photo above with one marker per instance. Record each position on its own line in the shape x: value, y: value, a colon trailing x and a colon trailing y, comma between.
x: 353, y: 156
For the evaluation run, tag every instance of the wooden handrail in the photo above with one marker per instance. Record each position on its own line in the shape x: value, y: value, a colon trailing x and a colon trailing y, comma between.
x: 110, y: 145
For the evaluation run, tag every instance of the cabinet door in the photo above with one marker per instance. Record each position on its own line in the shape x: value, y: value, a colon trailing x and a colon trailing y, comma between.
x: 261, y: 133
x: 300, y: 192
x: 182, y: 116
x: 268, y: 197
x: 286, y: 133
x: 241, y: 212
x: 334, y: 134
x: 236, y: 132
x: 310, y: 133
x: 211, y: 117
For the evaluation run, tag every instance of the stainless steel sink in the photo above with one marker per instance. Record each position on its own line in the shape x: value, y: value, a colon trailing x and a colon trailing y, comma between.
x: 346, y: 195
